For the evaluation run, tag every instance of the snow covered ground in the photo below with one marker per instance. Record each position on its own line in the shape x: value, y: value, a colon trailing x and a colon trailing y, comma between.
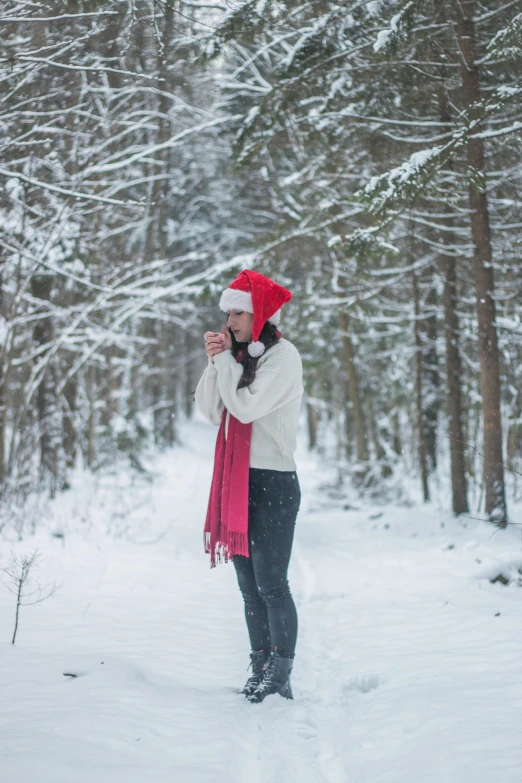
x: 408, y: 667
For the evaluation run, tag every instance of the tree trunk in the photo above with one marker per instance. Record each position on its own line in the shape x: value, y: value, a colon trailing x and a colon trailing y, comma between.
x: 484, y: 280
x: 3, y: 385
x: 396, y: 434
x: 354, y: 390
x: 452, y: 334
x: 42, y: 335
x: 91, y: 427
x: 514, y: 440
x: 430, y: 364
x: 312, y: 420
x: 3, y: 416
x: 453, y: 373
x: 70, y: 394
x: 418, y: 394
x: 187, y: 373
x: 380, y: 451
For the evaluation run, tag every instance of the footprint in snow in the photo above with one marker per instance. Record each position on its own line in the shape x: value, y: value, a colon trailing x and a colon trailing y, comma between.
x: 363, y: 683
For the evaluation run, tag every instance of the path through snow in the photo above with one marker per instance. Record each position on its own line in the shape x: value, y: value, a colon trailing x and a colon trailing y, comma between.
x: 408, y: 667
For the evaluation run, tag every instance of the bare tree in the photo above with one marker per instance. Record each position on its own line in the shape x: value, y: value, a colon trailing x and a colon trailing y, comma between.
x: 19, y: 581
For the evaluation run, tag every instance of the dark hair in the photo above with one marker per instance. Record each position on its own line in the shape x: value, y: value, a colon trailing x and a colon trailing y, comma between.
x: 269, y: 337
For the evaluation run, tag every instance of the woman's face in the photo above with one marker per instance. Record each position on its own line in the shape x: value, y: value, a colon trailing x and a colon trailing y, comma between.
x: 241, y: 324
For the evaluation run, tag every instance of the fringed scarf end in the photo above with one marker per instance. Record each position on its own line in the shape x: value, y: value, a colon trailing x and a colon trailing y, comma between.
x: 223, y: 553
x: 238, y: 543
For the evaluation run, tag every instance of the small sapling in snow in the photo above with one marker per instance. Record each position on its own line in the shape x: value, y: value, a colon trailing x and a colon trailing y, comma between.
x: 18, y: 580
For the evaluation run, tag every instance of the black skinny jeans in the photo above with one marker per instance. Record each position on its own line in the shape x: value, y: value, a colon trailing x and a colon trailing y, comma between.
x: 273, y: 502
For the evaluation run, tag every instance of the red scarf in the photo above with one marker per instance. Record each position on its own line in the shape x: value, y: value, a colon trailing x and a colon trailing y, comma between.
x: 226, y: 526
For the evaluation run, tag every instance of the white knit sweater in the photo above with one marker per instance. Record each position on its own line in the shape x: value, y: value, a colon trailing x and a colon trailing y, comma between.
x: 272, y: 402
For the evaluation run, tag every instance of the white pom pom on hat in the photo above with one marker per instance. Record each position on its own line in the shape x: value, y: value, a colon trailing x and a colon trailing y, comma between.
x: 256, y: 348
x: 253, y: 292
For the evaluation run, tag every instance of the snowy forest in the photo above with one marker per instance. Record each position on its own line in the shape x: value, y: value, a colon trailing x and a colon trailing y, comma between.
x: 366, y: 155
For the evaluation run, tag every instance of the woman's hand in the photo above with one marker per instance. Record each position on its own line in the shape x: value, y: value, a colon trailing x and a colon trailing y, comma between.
x: 217, y: 342
x: 228, y: 339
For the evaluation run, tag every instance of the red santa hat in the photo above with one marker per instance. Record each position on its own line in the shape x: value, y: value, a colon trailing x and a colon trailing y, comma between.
x: 254, y: 293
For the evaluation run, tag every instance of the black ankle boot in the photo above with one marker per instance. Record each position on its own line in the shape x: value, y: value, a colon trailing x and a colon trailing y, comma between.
x: 257, y: 662
x: 276, y: 679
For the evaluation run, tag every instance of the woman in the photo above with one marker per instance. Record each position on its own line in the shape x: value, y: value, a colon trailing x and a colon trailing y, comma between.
x: 252, y: 387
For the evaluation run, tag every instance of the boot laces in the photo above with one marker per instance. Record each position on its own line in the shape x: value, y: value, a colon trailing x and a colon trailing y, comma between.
x: 254, y: 659
x: 268, y: 674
